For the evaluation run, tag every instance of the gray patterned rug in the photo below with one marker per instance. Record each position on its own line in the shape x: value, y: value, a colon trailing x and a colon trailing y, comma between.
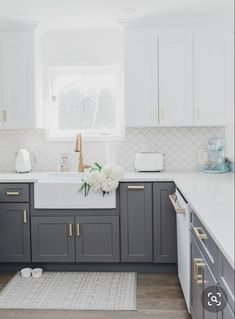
x: 71, y: 291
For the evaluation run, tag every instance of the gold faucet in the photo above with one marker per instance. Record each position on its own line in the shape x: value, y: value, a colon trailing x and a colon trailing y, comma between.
x: 79, y: 149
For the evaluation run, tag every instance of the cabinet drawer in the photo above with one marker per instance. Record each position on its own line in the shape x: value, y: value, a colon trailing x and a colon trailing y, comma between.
x: 10, y: 193
x: 226, y: 278
x: 206, y: 244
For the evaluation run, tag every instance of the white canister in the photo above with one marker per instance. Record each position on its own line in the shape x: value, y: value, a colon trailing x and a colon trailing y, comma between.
x: 26, y: 272
x: 37, y: 272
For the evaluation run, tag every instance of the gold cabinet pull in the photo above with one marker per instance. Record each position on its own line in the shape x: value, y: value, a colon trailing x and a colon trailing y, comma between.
x: 4, y: 116
x: 198, y: 265
x: 12, y: 193
x: 25, y: 216
x: 135, y: 186
x: 70, y: 230
x: 178, y: 209
x: 199, y: 233
x: 78, y: 230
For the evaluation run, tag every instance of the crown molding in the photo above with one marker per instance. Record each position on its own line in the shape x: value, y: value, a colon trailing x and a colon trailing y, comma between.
x: 156, y: 22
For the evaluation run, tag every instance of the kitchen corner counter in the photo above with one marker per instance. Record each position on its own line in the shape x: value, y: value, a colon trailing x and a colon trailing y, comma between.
x: 210, y: 196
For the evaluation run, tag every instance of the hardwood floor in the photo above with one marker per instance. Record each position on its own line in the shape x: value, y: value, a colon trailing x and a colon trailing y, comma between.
x: 159, y: 296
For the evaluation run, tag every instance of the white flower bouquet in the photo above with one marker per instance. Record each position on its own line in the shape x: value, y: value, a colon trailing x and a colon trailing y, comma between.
x: 102, y: 179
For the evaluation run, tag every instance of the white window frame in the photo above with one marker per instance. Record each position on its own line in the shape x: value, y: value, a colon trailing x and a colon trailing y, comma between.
x: 52, y: 134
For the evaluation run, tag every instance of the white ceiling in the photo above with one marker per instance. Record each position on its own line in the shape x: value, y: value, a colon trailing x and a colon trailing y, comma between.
x: 74, y: 14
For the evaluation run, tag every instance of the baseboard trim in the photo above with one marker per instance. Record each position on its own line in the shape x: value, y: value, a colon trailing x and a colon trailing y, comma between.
x: 136, y: 267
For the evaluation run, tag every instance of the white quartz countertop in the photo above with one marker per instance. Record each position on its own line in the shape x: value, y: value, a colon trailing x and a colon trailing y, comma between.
x: 210, y: 196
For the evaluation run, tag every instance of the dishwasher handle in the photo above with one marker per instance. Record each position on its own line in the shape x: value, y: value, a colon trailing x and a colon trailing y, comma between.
x: 177, y: 207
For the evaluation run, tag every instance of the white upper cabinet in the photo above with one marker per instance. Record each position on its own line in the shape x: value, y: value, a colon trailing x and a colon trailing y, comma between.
x: 17, y: 79
x: 175, y: 79
x: 210, y: 77
x: 141, y: 93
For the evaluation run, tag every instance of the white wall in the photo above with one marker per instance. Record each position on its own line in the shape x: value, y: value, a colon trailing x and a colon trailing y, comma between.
x: 229, y: 128
x: 77, y: 47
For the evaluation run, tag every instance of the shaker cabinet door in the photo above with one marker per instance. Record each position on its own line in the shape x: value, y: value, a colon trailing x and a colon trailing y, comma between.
x: 176, y: 79
x: 14, y: 233
x: 210, y: 77
x: 53, y: 239
x: 141, y: 92
x: 164, y: 221
x: 196, y: 279
x: 208, y: 281
x: 136, y: 222
x: 17, y: 81
x: 201, y: 279
x: 97, y: 239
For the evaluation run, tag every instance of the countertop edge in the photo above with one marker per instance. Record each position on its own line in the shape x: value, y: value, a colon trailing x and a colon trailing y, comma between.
x: 221, y: 248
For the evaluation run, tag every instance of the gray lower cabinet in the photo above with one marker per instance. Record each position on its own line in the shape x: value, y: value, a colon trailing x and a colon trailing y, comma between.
x: 164, y: 221
x: 226, y: 279
x: 53, y: 239
x: 97, y: 239
x: 14, y: 232
x: 75, y: 239
x: 201, y: 279
x: 136, y: 222
x: 208, y: 281
x: 196, y: 288
x: 206, y: 244
x: 209, y: 268
x: 226, y: 313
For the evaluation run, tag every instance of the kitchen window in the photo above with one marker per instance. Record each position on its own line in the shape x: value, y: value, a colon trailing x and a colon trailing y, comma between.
x: 87, y: 100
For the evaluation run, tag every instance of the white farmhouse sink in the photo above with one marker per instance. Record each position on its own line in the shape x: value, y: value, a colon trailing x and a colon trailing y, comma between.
x: 61, y: 191
x: 62, y: 177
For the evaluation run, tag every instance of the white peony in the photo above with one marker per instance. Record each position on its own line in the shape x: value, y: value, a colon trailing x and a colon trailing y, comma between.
x: 113, y: 172
x: 95, y: 180
x: 91, y: 178
x: 96, y: 187
x: 107, y: 170
x: 106, y: 180
x: 109, y: 185
x: 88, y: 178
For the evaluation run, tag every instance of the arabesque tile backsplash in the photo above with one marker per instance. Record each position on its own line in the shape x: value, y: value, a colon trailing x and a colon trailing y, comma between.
x: 179, y: 144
